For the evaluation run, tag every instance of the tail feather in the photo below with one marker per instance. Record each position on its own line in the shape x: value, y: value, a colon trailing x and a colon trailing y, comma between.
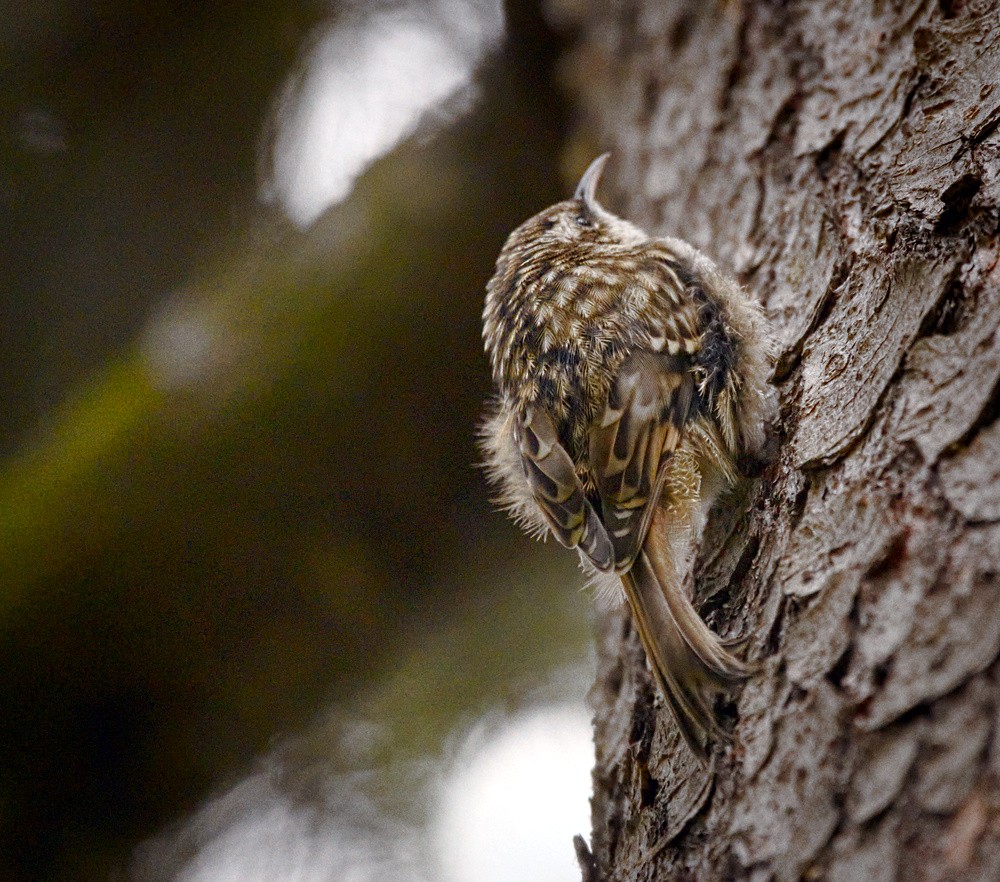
x: 688, y: 660
x: 725, y: 668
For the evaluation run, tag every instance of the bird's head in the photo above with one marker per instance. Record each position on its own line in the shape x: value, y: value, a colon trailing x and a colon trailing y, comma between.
x: 580, y: 224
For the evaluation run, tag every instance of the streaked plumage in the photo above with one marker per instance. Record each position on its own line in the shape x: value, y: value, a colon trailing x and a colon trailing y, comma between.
x: 631, y: 374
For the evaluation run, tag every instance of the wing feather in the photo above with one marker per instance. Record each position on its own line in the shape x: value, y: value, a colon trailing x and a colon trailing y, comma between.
x: 649, y: 405
x: 558, y: 490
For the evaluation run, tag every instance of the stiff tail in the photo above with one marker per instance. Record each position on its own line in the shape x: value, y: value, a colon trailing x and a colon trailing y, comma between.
x: 689, y: 661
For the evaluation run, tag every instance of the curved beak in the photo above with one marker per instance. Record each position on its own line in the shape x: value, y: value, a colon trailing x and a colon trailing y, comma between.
x: 586, y: 190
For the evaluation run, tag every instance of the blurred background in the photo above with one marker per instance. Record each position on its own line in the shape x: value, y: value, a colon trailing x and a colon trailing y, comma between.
x: 257, y: 618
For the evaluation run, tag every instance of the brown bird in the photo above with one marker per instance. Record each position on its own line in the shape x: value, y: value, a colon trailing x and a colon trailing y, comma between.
x: 631, y: 378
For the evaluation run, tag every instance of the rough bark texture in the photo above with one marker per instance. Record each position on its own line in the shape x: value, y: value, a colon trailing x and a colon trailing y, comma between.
x: 844, y: 158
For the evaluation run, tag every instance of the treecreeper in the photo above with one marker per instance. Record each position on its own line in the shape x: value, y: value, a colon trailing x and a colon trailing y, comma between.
x: 632, y: 379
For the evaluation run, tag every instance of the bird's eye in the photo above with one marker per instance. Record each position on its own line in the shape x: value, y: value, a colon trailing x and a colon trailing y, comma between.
x: 548, y: 224
x: 583, y: 221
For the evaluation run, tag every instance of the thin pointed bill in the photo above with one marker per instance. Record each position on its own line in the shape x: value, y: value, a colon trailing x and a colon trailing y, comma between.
x: 586, y: 190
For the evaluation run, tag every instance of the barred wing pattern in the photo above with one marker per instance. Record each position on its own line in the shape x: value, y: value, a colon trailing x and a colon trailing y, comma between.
x: 558, y: 490
x: 649, y: 405
x: 651, y: 401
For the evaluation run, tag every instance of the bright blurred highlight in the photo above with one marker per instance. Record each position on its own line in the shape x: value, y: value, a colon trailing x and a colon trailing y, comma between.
x: 511, y: 808
x: 366, y: 86
x: 505, y: 809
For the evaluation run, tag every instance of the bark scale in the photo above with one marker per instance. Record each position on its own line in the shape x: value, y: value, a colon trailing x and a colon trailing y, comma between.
x: 844, y: 159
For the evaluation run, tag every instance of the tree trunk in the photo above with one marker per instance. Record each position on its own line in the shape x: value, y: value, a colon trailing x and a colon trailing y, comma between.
x: 843, y: 159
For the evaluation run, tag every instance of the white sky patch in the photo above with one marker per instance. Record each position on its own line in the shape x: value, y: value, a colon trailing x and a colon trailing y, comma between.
x: 280, y: 842
x: 504, y: 808
x: 366, y: 86
x: 258, y: 832
x: 516, y: 798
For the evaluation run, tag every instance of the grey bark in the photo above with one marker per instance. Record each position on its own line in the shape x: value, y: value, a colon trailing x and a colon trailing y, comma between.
x: 844, y: 159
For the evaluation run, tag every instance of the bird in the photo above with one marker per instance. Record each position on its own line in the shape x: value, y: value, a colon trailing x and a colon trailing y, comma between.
x: 632, y: 381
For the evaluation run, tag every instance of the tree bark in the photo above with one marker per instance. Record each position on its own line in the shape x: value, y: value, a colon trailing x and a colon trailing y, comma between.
x: 844, y: 159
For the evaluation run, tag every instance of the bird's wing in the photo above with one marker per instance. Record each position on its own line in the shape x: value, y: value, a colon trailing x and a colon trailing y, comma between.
x: 557, y: 489
x: 646, y: 413
x: 651, y: 403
